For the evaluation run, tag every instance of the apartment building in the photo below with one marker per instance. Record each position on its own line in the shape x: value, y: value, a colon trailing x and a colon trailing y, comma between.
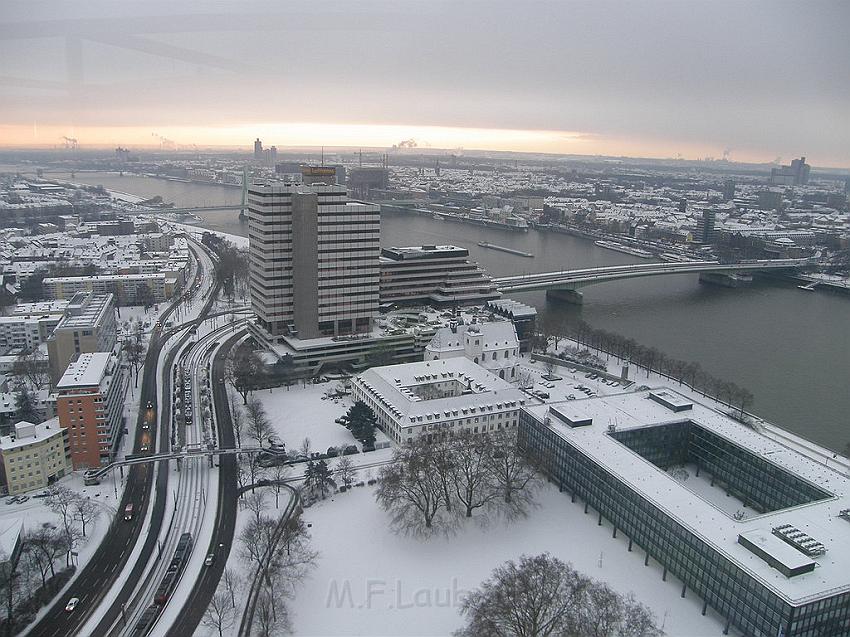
x: 127, y: 287
x: 89, y: 403
x: 34, y: 456
x: 88, y: 325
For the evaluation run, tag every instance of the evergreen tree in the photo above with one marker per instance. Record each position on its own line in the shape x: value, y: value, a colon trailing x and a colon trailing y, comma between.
x: 360, y: 420
x: 319, y: 477
x: 25, y: 406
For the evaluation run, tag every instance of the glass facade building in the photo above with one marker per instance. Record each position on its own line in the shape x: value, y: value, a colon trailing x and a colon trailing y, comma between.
x: 576, y: 460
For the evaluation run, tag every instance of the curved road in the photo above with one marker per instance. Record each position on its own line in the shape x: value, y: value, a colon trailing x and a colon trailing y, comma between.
x: 96, y: 578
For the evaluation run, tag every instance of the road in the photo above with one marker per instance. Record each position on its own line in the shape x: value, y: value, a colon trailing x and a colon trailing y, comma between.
x: 97, y: 577
x: 225, y: 521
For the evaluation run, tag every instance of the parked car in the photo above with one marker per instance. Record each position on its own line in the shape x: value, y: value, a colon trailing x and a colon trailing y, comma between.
x: 349, y: 450
x: 12, y: 500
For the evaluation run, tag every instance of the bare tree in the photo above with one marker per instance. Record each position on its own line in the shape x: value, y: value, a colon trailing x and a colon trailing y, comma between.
x: 232, y: 583
x: 536, y: 598
x: 410, y: 491
x: 259, y: 427
x: 220, y: 613
x: 243, y: 368
x: 86, y: 511
x: 345, y: 471
x: 272, y: 615
x: 236, y: 417
x: 542, y: 596
x: 255, y: 502
x: 524, y: 379
x: 515, y: 477
x: 277, y: 476
x: 32, y: 368
x: 61, y: 501
x: 472, y: 476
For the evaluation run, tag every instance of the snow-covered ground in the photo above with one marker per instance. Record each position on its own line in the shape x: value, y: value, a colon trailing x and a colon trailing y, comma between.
x: 302, y: 411
x: 239, y: 242
x: 370, y: 581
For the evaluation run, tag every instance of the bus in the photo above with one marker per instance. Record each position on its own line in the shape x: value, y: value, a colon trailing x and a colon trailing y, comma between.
x: 128, y: 512
x: 90, y: 479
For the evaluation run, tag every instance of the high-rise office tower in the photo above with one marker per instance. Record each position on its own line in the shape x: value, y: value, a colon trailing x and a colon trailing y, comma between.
x: 314, y: 260
x: 705, y: 225
x: 258, y: 150
x: 728, y: 190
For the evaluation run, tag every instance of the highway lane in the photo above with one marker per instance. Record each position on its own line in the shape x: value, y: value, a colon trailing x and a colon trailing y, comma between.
x: 93, y: 582
x: 192, y: 481
x: 225, y: 521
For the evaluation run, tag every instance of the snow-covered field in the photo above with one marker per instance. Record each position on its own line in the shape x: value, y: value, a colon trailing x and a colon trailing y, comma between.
x: 301, y: 411
x: 370, y: 581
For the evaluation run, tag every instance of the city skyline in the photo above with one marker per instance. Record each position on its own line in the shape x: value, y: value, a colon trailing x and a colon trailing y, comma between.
x: 752, y: 82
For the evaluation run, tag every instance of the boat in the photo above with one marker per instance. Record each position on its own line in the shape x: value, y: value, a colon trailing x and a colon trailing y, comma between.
x: 493, y: 246
x: 619, y: 247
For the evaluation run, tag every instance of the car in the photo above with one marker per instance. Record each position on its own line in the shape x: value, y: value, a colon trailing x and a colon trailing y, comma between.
x: 150, y: 404
x: 210, y: 560
x: 145, y: 447
x: 72, y: 604
x: 23, y: 499
x: 146, y: 425
x: 12, y: 500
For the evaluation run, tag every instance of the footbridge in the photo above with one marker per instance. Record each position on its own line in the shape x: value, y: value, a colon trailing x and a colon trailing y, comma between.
x: 564, y: 284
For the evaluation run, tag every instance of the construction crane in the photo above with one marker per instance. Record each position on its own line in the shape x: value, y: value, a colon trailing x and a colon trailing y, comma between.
x: 70, y: 143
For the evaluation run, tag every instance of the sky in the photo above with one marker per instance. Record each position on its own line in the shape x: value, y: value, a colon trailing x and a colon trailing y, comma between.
x: 756, y: 80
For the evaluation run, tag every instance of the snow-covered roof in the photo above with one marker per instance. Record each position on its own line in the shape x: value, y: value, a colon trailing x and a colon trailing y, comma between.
x: 395, y: 386
x: 86, y: 371
x: 10, y: 533
x: 819, y: 518
x: 27, y: 433
x: 493, y: 334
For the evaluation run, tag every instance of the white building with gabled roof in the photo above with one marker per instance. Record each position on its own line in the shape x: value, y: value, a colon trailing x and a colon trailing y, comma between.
x: 494, y: 346
x: 438, y: 398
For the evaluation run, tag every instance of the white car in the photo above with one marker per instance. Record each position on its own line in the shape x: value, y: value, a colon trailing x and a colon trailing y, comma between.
x: 72, y: 604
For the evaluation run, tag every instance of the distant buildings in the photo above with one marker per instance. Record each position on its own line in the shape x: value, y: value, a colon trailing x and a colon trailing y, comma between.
x: 438, y: 398
x: 728, y: 190
x: 89, y: 403
x: 88, y: 325
x: 314, y: 261
x: 258, y: 150
x: 492, y: 345
x: 797, y: 174
x: 363, y: 180
x: 34, y: 456
x: 438, y: 275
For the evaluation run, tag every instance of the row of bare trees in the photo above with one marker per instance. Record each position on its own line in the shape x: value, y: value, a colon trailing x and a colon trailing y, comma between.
x: 652, y: 360
x: 29, y: 579
x: 280, y: 554
x: 542, y: 596
x: 435, y: 486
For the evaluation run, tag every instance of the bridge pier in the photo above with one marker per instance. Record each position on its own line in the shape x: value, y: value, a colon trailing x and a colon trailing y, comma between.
x: 733, y: 280
x: 566, y: 296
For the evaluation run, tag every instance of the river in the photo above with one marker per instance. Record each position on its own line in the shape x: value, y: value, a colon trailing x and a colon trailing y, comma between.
x: 789, y: 347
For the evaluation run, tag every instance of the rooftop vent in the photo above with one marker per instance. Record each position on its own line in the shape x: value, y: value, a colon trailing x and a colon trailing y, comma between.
x: 801, y: 541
